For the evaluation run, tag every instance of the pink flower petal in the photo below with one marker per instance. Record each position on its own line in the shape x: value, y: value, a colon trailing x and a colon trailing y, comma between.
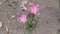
x: 33, y: 9
x: 22, y: 18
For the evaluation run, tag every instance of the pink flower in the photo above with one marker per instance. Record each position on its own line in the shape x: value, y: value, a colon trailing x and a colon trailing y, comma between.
x: 22, y: 18
x: 33, y: 9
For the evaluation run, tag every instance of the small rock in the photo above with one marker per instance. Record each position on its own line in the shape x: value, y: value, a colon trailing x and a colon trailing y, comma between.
x: 24, y: 8
x: 0, y: 24
x: 12, y: 17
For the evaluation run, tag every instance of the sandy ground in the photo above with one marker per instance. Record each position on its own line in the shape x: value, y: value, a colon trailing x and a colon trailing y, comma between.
x: 49, y: 21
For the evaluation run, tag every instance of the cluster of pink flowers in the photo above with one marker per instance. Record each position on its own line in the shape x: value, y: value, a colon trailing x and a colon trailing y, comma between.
x: 33, y: 9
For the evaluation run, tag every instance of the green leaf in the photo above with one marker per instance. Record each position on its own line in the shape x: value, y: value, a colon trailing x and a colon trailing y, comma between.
x: 30, y: 26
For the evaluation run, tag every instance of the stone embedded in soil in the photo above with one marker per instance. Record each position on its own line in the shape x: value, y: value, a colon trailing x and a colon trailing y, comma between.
x: 25, y: 8
x: 0, y: 24
x: 12, y: 17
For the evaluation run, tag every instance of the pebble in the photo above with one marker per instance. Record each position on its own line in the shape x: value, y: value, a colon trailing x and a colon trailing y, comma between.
x: 0, y: 24
x: 25, y: 8
x: 23, y: 5
x: 12, y: 17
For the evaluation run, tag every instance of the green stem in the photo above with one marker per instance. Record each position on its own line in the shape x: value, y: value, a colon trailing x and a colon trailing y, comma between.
x: 30, y: 32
